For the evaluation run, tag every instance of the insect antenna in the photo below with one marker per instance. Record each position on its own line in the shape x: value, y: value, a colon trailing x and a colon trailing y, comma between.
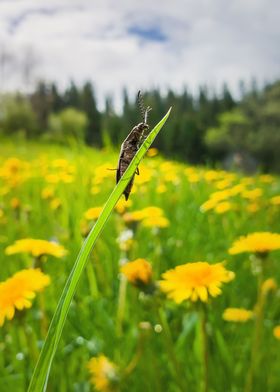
x: 141, y: 106
x: 144, y: 112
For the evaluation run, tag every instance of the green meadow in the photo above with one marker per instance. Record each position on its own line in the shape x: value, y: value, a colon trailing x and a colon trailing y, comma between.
x: 152, y: 342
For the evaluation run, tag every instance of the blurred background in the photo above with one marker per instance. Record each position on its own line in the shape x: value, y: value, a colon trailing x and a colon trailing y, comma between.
x: 72, y: 69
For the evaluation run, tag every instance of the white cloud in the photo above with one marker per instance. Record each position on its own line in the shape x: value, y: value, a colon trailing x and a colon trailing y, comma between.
x: 207, y: 41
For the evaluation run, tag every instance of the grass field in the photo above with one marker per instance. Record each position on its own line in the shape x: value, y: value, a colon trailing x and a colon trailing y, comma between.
x: 152, y: 342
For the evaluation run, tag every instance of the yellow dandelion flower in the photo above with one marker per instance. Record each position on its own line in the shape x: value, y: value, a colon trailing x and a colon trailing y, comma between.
x: 275, y: 200
x: 266, y: 178
x: 104, y: 373
x: 85, y: 228
x: 13, y: 165
x: 193, y: 178
x: 15, y: 203
x: 155, y: 221
x: 60, y: 163
x: 66, y: 178
x: 135, y: 189
x: 14, y: 171
x: 152, y: 211
x: 97, y: 180
x: 208, y: 205
x: 138, y: 271
x: 95, y: 190
x: 253, y: 207
x: 36, y: 248
x: 211, y: 175
x: 247, y: 180
x: 220, y: 195
x: 47, y: 193
x: 18, y: 291
x: 229, y: 176
x: 252, y: 194
x: 52, y: 178
x: 237, y: 315
x: 268, y: 285
x: 122, y: 205
x: 195, y: 281
x: 161, y: 188
x: 100, y: 174
x: 276, y: 332
x: 171, y: 177
x: 168, y: 166
x: 152, y: 152
x: 55, y: 203
x: 261, y: 242
x: 236, y: 189
x: 146, y: 175
x: 223, y: 184
x: 169, y: 172
x: 190, y: 170
x: 92, y: 213
x: 223, y: 207
x: 134, y: 216
x: 145, y: 213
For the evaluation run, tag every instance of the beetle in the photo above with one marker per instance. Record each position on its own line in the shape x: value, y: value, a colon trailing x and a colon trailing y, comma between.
x: 131, y: 145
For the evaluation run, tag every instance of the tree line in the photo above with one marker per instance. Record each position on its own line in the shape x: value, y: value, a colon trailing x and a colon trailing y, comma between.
x: 205, y: 127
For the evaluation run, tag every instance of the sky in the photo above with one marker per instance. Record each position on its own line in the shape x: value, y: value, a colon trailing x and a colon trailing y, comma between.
x: 139, y: 44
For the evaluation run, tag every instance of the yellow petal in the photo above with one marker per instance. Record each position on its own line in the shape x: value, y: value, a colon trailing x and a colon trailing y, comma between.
x: 202, y: 293
x: 214, y: 290
x: 194, y: 296
x: 10, y: 312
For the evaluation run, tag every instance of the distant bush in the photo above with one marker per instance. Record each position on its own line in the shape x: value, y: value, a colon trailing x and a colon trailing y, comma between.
x: 67, y: 125
x: 252, y: 129
x: 17, y: 116
x: 231, y: 135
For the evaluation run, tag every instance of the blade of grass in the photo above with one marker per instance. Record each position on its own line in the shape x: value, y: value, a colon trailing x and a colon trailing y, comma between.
x: 40, y: 375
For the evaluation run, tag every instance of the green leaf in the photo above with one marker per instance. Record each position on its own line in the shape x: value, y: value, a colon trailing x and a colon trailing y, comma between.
x: 42, y: 370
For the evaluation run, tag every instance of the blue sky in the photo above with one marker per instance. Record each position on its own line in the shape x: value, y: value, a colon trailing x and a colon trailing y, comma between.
x: 139, y: 44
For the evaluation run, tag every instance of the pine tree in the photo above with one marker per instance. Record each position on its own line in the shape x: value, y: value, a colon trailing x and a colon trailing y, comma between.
x: 72, y: 96
x: 57, y: 103
x: 89, y: 106
x: 41, y: 104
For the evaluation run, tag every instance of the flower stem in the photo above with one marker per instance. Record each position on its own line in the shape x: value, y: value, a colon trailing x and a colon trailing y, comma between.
x: 32, y: 345
x: 204, y: 349
x: 121, y: 305
x: 135, y: 359
x: 170, y: 349
x: 257, y: 336
x: 23, y: 349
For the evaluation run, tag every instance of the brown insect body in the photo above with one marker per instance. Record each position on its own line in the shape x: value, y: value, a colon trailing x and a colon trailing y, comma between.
x: 128, y: 149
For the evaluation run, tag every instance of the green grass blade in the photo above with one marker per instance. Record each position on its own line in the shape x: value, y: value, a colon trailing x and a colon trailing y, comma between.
x: 41, y: 373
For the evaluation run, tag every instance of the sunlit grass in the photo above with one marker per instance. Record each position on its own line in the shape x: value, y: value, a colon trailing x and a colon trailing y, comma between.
x: 51, y: 193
